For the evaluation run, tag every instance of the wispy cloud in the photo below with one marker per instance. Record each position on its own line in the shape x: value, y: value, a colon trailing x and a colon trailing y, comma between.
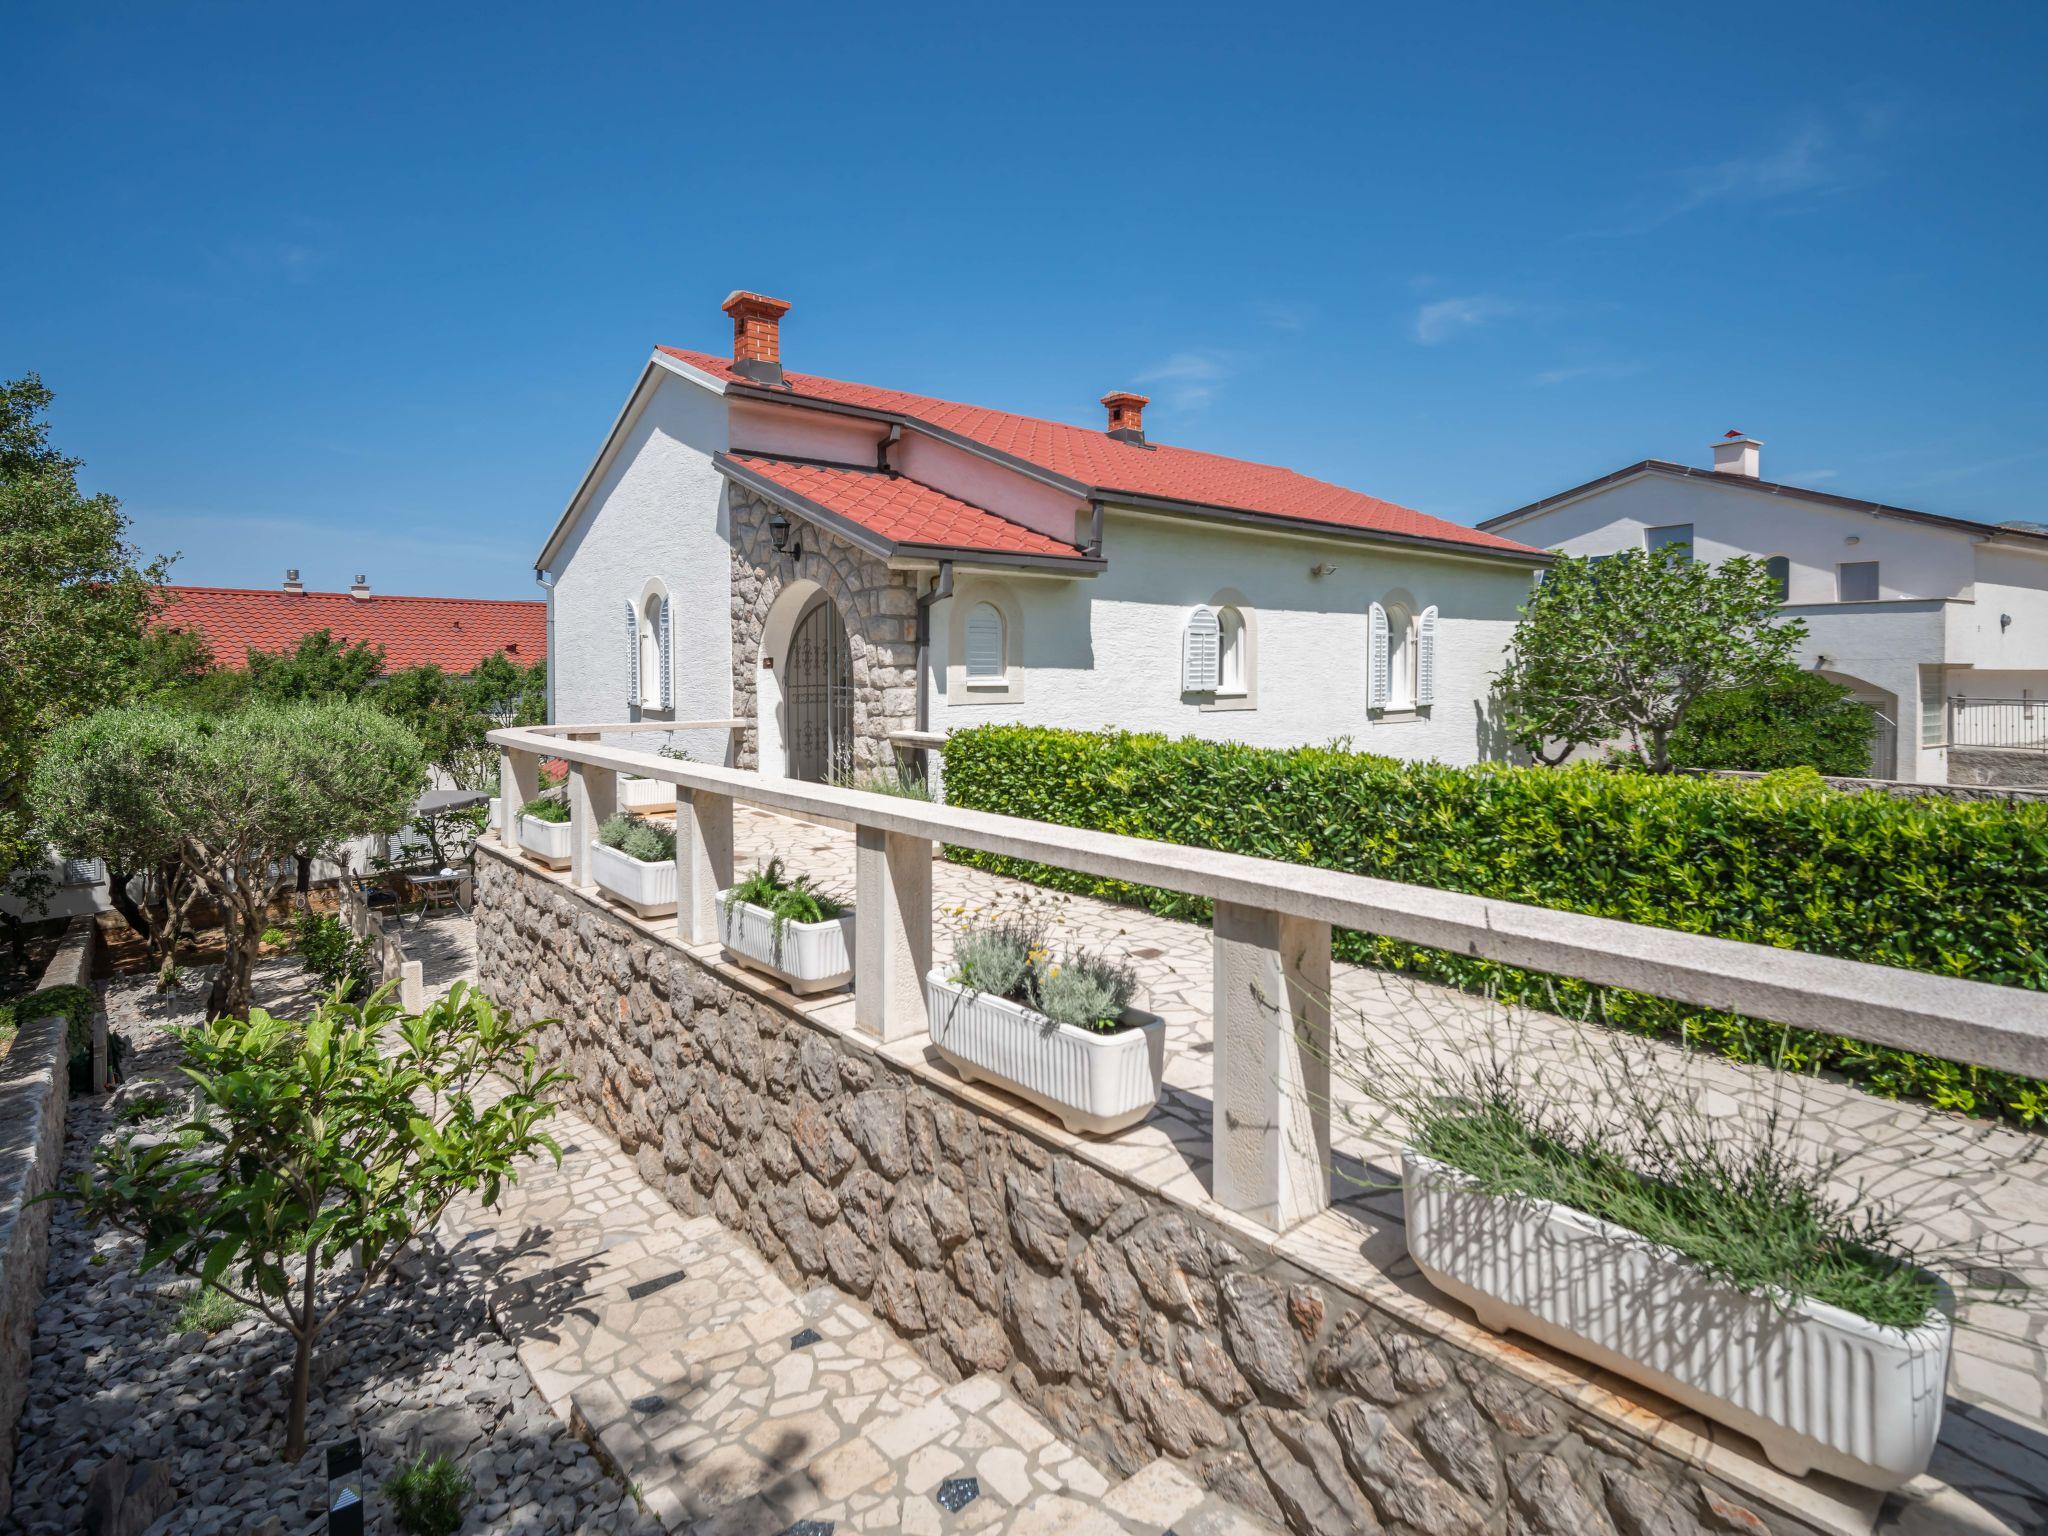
x: 1813, y: 477
x: 1980, y: 467
x: 1443, y: 319
x: 1576, y: 373
x: 1811, y: 160
x: 1192, y: 379
x: 1284, y: 317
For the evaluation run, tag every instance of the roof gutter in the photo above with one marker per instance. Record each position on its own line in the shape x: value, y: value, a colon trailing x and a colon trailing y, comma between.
x: 1312, y: 528
x: 941, y: 590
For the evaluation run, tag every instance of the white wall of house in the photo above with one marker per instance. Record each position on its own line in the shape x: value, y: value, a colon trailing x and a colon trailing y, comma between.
x: 1106, y: 651
x: 656, y: 514
x: 1934, y: 632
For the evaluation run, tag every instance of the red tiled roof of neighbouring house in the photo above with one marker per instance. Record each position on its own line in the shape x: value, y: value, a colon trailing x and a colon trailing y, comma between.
x: 902, y: 511
x: 1106, y: 465
x: 454, y: 633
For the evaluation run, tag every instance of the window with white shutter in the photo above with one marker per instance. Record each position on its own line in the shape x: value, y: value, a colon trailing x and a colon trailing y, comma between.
x: 668, y: 671
x: 985, y: 660
x: 1425, y: 658
x: 1200, y: 662
x: 1377, y: 663
x: 1230, y: 652
x: 632, y: 654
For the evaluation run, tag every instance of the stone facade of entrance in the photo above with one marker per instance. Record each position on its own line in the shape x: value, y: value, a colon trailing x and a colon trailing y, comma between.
x: 877, y: 605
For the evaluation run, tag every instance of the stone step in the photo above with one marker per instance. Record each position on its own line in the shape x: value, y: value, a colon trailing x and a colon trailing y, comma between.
x: 813, y: 1416
x: 1159, y: 1499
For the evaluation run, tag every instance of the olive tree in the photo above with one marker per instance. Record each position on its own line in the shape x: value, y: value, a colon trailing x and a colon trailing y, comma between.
x: 1620, y: 647
x: 246, y: 794
x: 345, y: 1135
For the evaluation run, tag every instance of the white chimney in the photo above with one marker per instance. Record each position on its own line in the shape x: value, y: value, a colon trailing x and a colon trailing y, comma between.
x: 1735, y: 454
x: 292, y: 584
x: 361, y: 590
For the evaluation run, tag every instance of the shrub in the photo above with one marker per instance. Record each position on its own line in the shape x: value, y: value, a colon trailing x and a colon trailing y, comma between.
x: 1950, y: 887
x: 328, y: 948
x: 639, y: 838
x: 786, y: 901
x: 428, y: 1497
x: 1798, y: 720
x: 546, y: 808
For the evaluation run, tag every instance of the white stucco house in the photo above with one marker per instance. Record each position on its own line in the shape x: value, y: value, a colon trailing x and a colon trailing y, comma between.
x: 1938, y: 623
x: 852, y: 570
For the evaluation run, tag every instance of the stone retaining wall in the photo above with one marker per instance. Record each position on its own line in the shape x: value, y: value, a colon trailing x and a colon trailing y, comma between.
x: 35, y: 1083
x: 1985, y: 767
x: 1135, y: 1326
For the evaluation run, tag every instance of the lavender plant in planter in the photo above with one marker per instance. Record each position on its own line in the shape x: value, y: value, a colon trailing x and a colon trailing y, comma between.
x: 543, y: 831
x: 634, y: 863
x: 1058, y: 1031
x: 788, y: 929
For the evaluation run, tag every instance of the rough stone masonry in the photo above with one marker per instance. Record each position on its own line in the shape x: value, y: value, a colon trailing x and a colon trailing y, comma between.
x: 1129, y: 1322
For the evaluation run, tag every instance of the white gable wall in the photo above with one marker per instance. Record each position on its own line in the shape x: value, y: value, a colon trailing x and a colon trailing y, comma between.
x: 1106, y: 652
x: 655, y: 514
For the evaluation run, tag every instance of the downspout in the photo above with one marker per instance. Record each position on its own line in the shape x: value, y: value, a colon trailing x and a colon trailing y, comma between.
x: 941, y: 590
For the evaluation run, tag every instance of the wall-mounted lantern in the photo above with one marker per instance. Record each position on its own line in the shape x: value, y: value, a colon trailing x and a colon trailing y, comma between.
x: 783, y: 535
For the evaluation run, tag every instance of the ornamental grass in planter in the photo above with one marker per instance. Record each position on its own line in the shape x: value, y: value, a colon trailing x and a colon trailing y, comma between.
x: 1713, y: 1258
x: 634, y: 863
x: 543, y: 830
x: 787, y: 927
x: 1057, y: 1029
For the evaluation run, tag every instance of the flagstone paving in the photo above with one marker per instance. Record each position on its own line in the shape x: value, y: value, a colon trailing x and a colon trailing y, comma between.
x: 732, y: 1404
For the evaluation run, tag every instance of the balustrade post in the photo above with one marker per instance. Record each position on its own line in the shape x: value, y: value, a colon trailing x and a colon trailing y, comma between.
x: 593, y: 797
x: 518, y: 782
x: 892, y: 932
x: 1271, y: 1125
x: 703, y: 862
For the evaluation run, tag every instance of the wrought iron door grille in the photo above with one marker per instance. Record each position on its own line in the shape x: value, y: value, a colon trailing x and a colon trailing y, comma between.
x: 820, y: 696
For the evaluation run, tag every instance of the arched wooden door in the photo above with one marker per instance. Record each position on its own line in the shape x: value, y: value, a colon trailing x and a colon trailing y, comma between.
x: 819, y: 686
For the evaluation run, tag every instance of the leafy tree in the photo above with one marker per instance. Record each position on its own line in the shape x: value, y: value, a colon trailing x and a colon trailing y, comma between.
x: 1623, y: 646
x: 75, y: 596
x: 247, y: 793
x: 105, y: 785
x: 351, y: 1131
x: 1798, y: 719
x: 318, y: 667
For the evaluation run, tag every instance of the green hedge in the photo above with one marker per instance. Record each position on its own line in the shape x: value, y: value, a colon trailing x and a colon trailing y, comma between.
x: 1958, y: 888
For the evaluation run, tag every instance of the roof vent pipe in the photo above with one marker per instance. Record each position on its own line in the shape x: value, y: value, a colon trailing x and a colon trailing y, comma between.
x: 360, y: 591
x: 292, y: 584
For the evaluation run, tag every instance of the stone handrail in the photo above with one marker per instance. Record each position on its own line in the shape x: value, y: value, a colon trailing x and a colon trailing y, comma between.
x: 1272, y: 938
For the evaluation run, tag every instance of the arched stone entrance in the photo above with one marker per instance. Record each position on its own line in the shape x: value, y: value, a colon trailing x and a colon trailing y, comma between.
x: 817, y: 690
x: 1883, y: 705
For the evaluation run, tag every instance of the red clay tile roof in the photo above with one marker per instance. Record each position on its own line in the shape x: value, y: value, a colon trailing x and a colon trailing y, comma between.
x: 1107, y: 466
x: 455, y: 633
x: 902, y: 510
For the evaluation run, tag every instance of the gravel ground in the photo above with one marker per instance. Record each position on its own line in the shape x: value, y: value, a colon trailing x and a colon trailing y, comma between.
x: 417, y: 1364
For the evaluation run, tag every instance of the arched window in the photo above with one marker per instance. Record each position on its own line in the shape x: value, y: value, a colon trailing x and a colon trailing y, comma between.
x: 650, y: 653
x: 1400, y: 657
x: 1199, y: 646
x: 1402, y: 665
x: 1231, y: 670
x: 985, y: 658
x: 1779, y: 569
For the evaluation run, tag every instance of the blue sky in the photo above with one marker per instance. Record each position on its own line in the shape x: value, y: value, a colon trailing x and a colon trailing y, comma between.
x: 360, y: 289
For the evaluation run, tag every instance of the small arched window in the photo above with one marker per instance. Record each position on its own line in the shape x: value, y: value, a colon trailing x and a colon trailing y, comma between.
x: 649, y: 653
x: 1402, y: 665
x: 1779, y: 569
x: 985, y: 658
x: 1230, y: 652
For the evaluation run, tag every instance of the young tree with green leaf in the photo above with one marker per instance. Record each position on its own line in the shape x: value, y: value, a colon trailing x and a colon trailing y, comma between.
x: 1795, y: 720
x: 75, y: 597
x: 1621, y: 647
x: 318, y: 667
x: 350, y: 1132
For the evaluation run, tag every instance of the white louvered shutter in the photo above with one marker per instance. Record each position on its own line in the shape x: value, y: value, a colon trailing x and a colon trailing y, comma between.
x: 984, y: 641
x: 1378, y: 665
x: 1199, y: 661
x: 668, y: 670
x: 632, y: 654
x: 1425, y: 658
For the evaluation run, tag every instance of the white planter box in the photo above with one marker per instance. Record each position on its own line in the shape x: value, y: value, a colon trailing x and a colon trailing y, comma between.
x: 643, y: 794
x: 547, y: 841
x: 813, y: 956
x: 649, y: 889
x: 1095, y: 1083
x: 1819, y: 1388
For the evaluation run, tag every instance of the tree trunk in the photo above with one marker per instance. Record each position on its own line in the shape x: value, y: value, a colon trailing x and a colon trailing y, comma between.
x: 302, y: 1369
x: 117, y: 893
x: 1660, y: 750
x: 305, y: 882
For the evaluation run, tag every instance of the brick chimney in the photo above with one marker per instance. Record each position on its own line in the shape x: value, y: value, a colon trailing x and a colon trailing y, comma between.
x: 292, y: 584
x: 1735, y: 454
x: 756, y: 334
x: 361, y: 590
x: 1126, y: 415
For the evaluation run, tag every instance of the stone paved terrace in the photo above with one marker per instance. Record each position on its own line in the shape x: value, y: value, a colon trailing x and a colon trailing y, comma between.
x: 1969, y: 1190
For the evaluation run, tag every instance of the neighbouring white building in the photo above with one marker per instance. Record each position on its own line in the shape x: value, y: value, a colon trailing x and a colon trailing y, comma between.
x: 1938, y: 623
x: 851, y: 570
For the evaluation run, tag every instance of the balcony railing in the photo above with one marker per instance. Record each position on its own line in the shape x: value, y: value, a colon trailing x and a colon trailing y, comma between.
x: 1270, y: 1008
x: 2019, y: 725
